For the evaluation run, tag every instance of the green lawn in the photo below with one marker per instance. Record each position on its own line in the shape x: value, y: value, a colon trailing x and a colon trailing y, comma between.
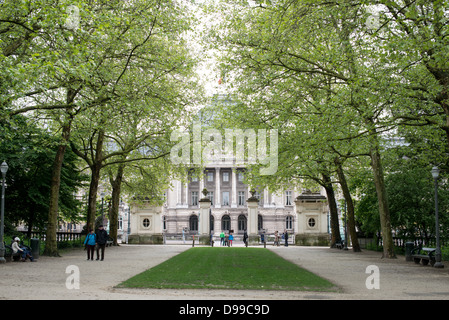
x: 228, y: 268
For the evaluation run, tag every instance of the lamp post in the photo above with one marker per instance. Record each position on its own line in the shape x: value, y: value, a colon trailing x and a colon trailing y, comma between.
x: 4, y: 169
x: 438, y: 264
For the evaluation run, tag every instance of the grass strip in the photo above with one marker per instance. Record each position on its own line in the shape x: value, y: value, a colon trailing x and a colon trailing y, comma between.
x: 228, y: 268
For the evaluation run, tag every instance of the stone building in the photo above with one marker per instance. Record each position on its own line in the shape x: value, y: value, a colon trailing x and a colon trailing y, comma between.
x: 302, y: 215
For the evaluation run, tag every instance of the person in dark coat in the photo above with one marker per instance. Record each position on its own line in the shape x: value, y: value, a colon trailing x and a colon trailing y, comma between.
x: 286, y: 238
x: 102, y: 238
x: 245, y: 238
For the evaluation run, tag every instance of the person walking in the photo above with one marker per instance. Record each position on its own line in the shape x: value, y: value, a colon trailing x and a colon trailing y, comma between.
x: 231, y: 238
x: 286, y: 238
x: 89, y: 242
x: 222, y: 238
x: 276, y: 238
x: 102, y: 238
x: 245, y: 238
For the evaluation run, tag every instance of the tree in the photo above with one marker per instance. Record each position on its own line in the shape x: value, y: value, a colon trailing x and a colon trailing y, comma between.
x: 92, y: 63
x: 28, y: 151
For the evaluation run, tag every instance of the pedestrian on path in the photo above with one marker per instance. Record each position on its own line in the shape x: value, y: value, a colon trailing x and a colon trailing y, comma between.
x: 286, y: 238
x: 102, y: 238
x: 245, y: 238
x: 276, y: 238
x: 231, y: 237
x: 222, y: 238
x: 89, y: 242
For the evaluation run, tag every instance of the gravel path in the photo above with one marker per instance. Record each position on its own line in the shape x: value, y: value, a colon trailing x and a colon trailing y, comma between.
x: 46, y: 279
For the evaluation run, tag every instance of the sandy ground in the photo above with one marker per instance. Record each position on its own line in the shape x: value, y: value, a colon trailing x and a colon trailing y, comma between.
x: 47, y: 278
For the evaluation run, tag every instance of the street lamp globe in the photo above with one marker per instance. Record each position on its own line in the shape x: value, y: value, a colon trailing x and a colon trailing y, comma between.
x: 435, y: 172
x: 4, y: 167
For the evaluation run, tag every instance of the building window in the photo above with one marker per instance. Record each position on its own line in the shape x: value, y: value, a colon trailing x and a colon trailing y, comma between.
x: 193, y: 223
x: 289, y: 222
x: 211, y: 221
x: 242, y: 223
x: 311, y: 222
x: 288, y: 198
x: 241, y: 198
x: 226, y: 198
x: 259, y: 222
x: 194, y: 179
x: 164, y: 222
x: 194, y: 198
x: 225, y: 223
x: 240, y: 176
x: 225, y: 176
x: 120, y: 223
x: 146, y: 222
x: 210, y: 195
x: 210, y: 176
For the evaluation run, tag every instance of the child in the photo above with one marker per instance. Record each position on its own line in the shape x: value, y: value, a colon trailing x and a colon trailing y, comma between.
x: 231, y: 237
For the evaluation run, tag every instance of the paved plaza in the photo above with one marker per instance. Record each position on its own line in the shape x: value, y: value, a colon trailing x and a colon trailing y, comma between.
x: 46, y: 279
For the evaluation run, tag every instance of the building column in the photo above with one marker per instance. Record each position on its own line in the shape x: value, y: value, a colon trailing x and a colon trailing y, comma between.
x: 178, y: 187
x: 217, y: 188
x: 234, y: 189
x: 266, y: 204
x: 201, y: 182
x: 186, y: 193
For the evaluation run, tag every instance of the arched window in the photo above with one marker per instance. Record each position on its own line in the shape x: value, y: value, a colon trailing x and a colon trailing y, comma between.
x: 212, y: 220
x: 242, y: 223
x: 259, y: 222
x: 193, y: 223
x: 226, y: 222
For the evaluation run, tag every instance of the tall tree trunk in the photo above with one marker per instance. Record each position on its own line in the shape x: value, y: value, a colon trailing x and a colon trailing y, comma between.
x: 335, y: 225
x: 95, y: 168
x: 384, y: 211
x: 113, y: 214
x: 350, y: 208
x: 51, y: 248
x: 92, y: 201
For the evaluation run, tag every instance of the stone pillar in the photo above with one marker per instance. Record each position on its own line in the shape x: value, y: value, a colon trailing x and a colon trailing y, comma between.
x: 234, y: 189
x: 217, y: 188
x: 253, y: 204
x: 204, y: 223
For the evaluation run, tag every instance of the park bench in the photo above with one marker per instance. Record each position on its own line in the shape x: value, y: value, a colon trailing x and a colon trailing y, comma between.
x: 425, y: 255
x: 340, y: 244
x: 10, y: 255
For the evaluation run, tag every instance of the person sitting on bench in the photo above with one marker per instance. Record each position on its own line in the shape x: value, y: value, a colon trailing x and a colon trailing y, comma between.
x: 24, y: 252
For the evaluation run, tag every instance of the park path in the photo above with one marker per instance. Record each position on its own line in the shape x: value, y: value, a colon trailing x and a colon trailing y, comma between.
x: 46, y: 279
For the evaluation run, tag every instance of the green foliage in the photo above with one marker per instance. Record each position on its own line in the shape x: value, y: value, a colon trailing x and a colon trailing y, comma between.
x: 29, y: 152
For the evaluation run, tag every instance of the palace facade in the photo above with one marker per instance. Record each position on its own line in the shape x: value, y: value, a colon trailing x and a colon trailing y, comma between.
x: 304, y: 215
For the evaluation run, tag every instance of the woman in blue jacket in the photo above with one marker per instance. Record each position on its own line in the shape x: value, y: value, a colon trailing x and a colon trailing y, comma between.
x: 91, y: 240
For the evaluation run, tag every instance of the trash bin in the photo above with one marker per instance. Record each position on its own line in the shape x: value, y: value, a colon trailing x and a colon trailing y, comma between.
x: 408, y: 250
x: 35, y: 246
